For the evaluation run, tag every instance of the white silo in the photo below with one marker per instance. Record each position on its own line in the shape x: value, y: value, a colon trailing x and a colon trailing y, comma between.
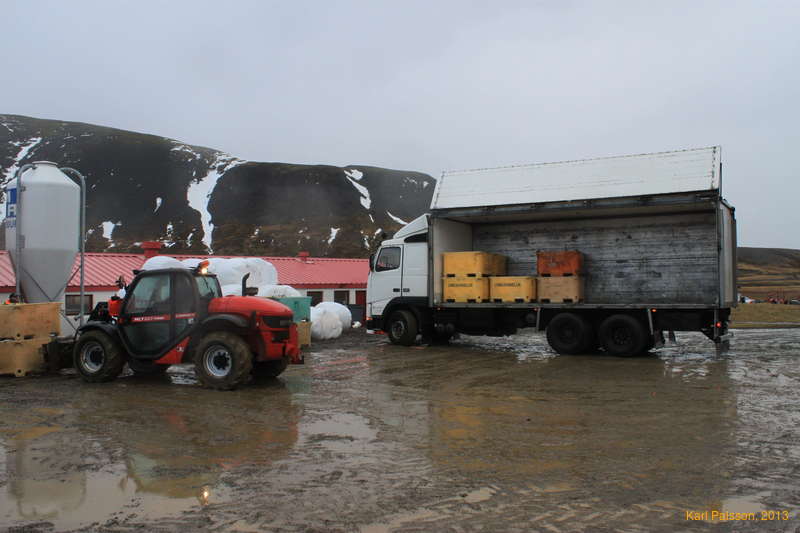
x: 47, y: 215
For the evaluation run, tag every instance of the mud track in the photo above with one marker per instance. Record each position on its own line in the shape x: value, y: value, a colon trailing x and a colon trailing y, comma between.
x: 482, y: 435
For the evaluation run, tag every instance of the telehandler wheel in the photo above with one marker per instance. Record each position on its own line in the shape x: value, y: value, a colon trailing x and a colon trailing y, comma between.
x: 570, y: 334
x: 146, y: 368
x: 270, y: 369
x: 623, y: 336
x: 403, y: 328
x: 98, y: 357
x: 222, y: 361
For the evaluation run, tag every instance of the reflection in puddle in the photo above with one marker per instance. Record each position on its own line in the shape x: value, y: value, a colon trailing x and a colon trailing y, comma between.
x: 97, y: 462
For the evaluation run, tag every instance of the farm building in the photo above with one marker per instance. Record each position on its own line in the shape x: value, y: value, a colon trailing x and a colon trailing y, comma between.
x: 322, y: 278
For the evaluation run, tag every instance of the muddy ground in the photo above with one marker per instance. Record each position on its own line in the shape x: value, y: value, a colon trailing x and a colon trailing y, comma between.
x: 482, y: 435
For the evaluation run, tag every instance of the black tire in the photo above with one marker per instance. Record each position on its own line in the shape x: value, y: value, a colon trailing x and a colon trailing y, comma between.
x: 623, y: 336
x: 270, y: 369
x: 98, y: 357
x: 402, y: 328
x: 570, y: 334
x: 222, y: 361
x: 146, y: 368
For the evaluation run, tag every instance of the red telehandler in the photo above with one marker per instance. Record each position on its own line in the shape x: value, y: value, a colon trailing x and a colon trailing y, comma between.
x: 178, y: 315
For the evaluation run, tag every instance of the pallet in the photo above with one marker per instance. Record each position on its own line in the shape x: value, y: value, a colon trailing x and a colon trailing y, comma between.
x: 26, y: 321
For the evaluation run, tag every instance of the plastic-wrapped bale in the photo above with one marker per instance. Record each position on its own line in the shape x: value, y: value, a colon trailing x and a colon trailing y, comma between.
x: 277, y: 291
x: 344, y: 314
x: 192, y: 262
x: 231, y: 289
x: 325, y: 324
x: 262, y: 272
x: 162, y: 261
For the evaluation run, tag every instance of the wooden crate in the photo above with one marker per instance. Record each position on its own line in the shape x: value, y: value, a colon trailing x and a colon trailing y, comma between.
x: 512, y: 289
x: 567, y: 263
x: 21, y: 321
x: 21, y: 357
x: 560, y: 289
x: 304, y: 333
x: 473, y: 264
x: 466, y: 289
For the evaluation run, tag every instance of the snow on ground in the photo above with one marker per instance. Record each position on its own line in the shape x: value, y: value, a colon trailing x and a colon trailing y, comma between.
x: 334, y: 232
x: 396, y: 219
x: 24, y: 150
x: 158, y: 204
x: 200, y: 191
x: 354, y: 176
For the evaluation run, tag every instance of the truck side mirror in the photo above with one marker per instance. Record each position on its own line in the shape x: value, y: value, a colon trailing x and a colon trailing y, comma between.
x: 372, y: 262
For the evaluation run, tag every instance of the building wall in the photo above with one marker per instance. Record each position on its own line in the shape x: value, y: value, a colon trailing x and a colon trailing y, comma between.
x: 328, y: 294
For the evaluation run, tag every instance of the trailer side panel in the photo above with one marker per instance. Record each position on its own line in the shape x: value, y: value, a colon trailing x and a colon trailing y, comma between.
x: 669, y: 259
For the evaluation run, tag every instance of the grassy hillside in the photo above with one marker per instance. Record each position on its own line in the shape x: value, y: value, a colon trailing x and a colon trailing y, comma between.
x: 765, y: 315
x: 769, y: 272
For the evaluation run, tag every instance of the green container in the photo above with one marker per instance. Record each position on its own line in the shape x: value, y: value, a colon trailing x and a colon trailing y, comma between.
x: 300, y: 306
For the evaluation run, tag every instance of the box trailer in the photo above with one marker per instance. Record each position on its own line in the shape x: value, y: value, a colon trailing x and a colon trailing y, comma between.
x: 656, y: 240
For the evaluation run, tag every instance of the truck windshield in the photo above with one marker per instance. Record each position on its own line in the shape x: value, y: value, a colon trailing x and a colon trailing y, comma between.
x: 207, y: 287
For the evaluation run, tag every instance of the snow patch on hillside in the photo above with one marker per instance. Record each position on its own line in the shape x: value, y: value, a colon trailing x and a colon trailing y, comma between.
x: 334, y: 232
x: 25, y: 148
x: 354, y: 176
x: 200, y: 190
x: 396, y: 219
x: 108, y: 227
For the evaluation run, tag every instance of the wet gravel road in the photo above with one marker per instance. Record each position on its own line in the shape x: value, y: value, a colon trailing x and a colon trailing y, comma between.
x: 482, y: 435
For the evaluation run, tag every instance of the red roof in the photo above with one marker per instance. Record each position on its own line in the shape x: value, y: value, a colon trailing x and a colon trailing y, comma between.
x: 102, y: 270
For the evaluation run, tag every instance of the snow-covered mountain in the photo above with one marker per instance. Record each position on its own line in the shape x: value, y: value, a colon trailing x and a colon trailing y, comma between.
x: 144, y: 187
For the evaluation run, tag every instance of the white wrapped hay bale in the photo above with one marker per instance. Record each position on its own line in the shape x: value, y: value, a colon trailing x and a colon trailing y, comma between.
x: 192, y: 262
x: 162, y: 261
x: 341, y: 311
x: 325, y: 324
x: 277, y: 291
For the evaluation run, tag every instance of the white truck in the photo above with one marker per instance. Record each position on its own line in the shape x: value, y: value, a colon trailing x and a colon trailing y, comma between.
x: 657, y: 238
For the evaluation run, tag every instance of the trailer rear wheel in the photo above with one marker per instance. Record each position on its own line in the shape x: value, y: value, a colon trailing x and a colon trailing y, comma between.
x: 98, y: 357
x: 623, y: 336
x: 570, y: 334
x: 403, y: 328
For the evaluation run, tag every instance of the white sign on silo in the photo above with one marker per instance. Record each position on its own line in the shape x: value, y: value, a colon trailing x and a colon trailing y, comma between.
x: 49, y: 220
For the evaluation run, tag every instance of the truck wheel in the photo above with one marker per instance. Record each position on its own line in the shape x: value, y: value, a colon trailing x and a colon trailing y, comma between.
x: 146, y: 368
x: 98, y: 357
x: 270, y: 369
x: 570, y: 334
x: 403, y: 328
x: 222, y: 361
x: 623, y: 336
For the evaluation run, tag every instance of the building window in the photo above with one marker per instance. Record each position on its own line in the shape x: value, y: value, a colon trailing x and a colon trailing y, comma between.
x: 72, y: 303
x: 316, y: 296
x: 341, y: 297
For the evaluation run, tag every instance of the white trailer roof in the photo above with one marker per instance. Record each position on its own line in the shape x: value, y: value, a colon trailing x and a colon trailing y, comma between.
x: 608, y: 177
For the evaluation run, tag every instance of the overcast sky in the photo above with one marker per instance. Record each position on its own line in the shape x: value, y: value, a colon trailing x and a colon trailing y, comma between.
x: 432, y: 85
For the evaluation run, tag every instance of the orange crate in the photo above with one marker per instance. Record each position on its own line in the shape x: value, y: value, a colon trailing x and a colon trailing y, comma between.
x: 567, y: 263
